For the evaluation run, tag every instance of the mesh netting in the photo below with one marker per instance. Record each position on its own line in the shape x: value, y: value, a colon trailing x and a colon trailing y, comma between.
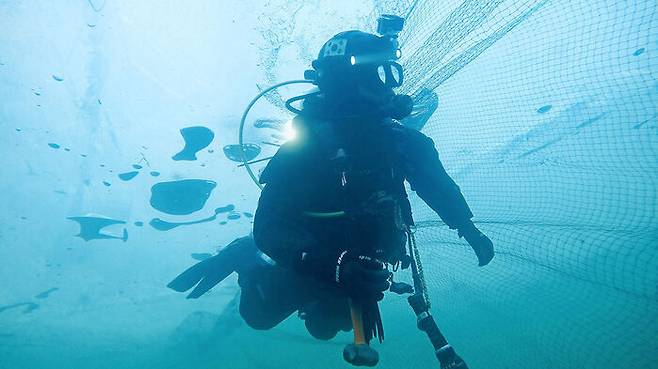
x: 547, y: 120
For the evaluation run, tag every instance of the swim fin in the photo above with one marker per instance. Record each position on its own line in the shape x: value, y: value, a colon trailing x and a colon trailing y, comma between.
x: 240, y: 256
x: 204, y: 275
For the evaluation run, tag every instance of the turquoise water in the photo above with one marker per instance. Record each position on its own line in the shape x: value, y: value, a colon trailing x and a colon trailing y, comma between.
x: 120, y: 169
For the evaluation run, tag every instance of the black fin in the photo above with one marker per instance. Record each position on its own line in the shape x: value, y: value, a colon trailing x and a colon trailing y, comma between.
x: 190, y: 277
x: 209, y: 282
x: 205, y: 274
x: 238, y: 256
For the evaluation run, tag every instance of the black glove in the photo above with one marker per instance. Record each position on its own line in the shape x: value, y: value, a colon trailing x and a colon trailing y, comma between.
x: 362, y: 277
x: 480, y: 243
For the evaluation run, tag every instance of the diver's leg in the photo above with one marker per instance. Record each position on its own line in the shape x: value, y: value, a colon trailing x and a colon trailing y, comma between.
x: 325, y: 317
x: 270, y: 294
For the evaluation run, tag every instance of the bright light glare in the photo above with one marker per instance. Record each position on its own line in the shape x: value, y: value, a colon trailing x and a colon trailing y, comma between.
x: 288, y: 131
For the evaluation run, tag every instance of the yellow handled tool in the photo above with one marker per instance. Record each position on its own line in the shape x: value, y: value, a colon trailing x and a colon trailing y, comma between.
x: 359, y: 353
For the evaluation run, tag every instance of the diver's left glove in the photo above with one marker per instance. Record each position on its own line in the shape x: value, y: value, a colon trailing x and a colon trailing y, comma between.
x: 480, y: 243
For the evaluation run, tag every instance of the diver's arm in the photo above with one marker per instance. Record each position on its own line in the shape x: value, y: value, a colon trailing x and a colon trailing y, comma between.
x: 278, y: 229
x: 432, y: 183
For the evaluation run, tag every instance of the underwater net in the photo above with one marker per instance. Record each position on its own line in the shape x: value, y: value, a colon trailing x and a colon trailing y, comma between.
x: 547, y: 119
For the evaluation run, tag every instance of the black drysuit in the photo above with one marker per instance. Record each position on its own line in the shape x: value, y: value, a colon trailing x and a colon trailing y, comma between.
x: 332, y: 167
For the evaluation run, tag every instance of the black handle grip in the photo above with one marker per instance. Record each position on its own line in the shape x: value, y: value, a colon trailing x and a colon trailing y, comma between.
x: 426, y: 323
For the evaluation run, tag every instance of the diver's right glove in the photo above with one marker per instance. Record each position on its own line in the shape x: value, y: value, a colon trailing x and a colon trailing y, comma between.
x: 360, y: 276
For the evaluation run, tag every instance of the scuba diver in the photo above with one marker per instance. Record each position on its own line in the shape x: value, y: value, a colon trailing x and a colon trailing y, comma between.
x: 334, y: 217
x: 334, y: 206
